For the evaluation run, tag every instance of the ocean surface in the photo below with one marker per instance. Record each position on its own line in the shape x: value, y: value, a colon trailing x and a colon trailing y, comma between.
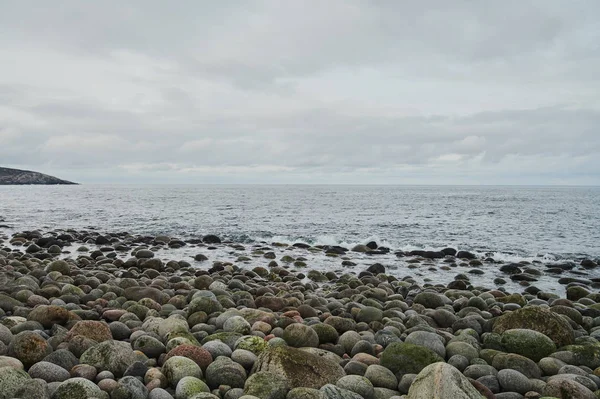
x: 512, y: 223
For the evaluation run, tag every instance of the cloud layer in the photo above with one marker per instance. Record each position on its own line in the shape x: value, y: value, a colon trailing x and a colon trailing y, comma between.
x: 302, y: 92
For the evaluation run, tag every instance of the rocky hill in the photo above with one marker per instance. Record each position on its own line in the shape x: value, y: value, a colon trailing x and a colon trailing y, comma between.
x: 16, y: 176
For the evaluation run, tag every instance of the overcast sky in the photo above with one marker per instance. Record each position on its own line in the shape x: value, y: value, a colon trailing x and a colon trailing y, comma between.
x: 312, y: 91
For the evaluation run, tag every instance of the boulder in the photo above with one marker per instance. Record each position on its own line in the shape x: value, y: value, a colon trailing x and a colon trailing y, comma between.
x: 441, y: 381
x: 299, y: 368
x: 266, y: 385
x: 113, y: 356
x: 538, y: 319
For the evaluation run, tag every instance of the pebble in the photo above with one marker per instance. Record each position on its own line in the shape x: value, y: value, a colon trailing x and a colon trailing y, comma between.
x: 126, y: 321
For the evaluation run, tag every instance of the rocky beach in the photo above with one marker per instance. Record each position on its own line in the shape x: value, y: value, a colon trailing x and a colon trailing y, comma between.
x: 117, y: 315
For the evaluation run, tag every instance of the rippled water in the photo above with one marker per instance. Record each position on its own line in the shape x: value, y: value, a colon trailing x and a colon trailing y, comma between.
x: 517, y: 222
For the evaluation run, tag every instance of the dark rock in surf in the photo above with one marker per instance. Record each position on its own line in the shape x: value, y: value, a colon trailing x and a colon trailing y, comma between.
x: 449, y: 251
x: 211, y: 239
x: 376, y: 268
x: 465, y: 255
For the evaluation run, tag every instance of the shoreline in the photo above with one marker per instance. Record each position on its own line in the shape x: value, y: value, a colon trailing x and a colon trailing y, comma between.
x: 124, y: 304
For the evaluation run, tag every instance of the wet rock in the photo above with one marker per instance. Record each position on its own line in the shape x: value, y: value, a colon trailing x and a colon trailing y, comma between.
x: 211, y: 239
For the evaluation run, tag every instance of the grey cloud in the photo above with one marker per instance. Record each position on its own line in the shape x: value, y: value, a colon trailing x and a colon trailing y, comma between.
x: 290, y: 90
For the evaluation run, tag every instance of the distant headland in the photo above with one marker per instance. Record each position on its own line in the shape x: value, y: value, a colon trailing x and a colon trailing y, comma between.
x: 21, y: 177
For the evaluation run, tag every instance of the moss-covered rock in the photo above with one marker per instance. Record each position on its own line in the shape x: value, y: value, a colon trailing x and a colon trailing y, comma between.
x: 113, y: 356
x: 369, y: 314
x: 266, y: 385
x: 317, y: 276
x: 49, y: 315
x: 78, y: 388
x: 513, y: 298
x: 441, y: 380
x: 326, y: 333
x: 403, y: 358
x: 189, y: 386
x: 528, y: 343
x: 11, y: 380
x: 516, y: 362
x: 204, y: 304
x: 299, y: 368
x: 224, y: 371
x: 229, y: 338
x: 431, y: 300
x: 60, y: 266
x: 178, y: 367
x: 300, y: 335
x: 92, y: 329
x: 538, y: 319
x: 586, y: 355
x: 29, y: 347
x: 251, y: 343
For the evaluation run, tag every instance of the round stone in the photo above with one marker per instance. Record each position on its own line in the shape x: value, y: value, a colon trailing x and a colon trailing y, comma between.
x: 49, y: 372
x: 224, y: 371
x: 29, y: 347
x: 78, y: 388
x: 299, y: 335
x: 178, y: 367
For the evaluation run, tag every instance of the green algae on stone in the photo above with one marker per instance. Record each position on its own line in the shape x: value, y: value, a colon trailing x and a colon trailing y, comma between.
x: 229, y: 338
x: 189, y: 386
x: 266, y: 385
x: 586, y: 355
x: 528, y: 343
x: 78, y: 388
x: 251, y: 343
x: 404, y: 358
x: 326, y: 333
x: 11, y: 380
x: 178, y: 367
x: 113, y: 356
x: 512, y: 298
x: 441, y: 380
x: 539, y: 319
x: 299, y: 368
